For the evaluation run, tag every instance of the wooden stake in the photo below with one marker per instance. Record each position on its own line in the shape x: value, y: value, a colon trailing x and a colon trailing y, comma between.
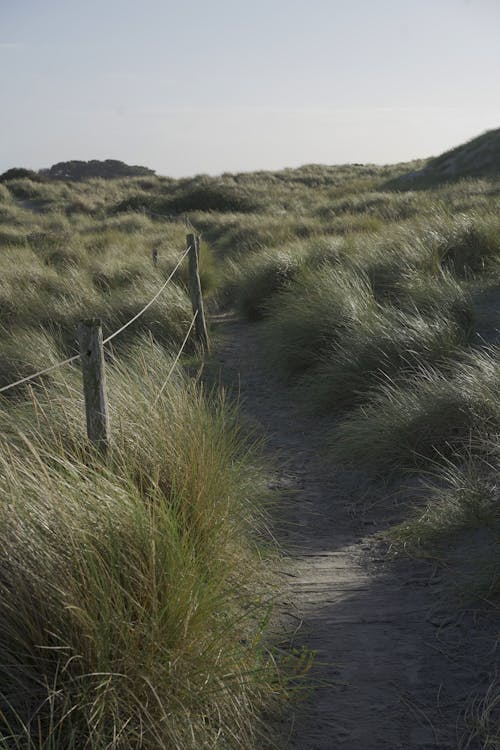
x: 94, y: 382
x: 195, y: 289
x: 154, y: 255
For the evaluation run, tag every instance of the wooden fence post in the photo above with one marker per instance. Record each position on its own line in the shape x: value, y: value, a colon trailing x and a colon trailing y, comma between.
x: 154, y: 255
x: 94, y: 382
x: 195, y: 289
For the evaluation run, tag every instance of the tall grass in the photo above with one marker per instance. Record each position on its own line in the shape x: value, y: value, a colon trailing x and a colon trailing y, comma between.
x: 328, y: 326
x: 386, y: 343
x: 133, y: 594
x: 254, y: 280
x: 426, y: 416
x: 461, y: 496
x: 312, y: 314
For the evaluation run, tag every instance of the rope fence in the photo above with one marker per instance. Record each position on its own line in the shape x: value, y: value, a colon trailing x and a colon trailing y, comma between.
x: 91, y: 344
x: 40, y: 372
x: 151, y: 301
x: 178, y: 356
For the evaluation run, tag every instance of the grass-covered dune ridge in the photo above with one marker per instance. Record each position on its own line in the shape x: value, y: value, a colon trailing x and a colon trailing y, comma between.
x: 478, y: 157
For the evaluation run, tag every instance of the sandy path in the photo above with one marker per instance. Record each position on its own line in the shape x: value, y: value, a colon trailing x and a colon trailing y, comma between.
x: 397, y: 666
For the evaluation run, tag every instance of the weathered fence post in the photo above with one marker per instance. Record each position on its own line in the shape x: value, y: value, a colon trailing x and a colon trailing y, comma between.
x: 94, y: 382
x: 154, y: 255
x: 195, y: 289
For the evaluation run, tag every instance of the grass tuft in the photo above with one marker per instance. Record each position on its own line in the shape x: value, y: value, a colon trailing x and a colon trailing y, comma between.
x: 430, y: 415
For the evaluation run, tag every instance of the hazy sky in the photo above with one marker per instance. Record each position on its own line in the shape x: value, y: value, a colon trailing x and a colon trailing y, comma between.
x: 206, y: 87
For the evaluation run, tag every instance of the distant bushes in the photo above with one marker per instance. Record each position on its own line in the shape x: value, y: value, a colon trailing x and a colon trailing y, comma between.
x: 84, y: 170
x: 19, y: 173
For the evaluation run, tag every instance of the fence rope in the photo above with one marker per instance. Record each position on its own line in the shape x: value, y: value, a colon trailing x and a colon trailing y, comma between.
x: 116, y: 333
x: 40, y: 372
x: 165, y: 382
x: 109, y: 338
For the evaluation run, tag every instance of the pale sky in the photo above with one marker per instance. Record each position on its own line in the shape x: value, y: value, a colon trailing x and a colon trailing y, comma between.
x: 222, y: 85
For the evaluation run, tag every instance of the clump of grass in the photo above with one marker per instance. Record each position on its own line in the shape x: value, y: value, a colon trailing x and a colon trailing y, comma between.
x: 312, y: 314
x: 385, y: 343
x: 5, y: 196
x: 12, y: 237
x: 386, y: 206
x: 133, y: 594
x: 462, y: 496
x: 482, y: 718
x: 429, y: 415
x: 434, y: 295
x: 330, y: 322
x: 24, y: 189
x: 459, y: 520
x: 327, y: 251
x: 471, y: 246
x: 254, y: 280
x: 210, y: 194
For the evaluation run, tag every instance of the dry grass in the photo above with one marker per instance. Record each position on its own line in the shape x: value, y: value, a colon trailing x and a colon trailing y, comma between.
x: 133, y: 595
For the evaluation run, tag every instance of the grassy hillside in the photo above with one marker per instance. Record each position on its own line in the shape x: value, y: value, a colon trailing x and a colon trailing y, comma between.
x: 479, y: 157
x: 376, y: 306
x: 134, y: 594
x: 371, y: 299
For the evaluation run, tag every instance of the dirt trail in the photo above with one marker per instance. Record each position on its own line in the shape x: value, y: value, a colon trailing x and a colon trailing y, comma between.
x: 397, y: 666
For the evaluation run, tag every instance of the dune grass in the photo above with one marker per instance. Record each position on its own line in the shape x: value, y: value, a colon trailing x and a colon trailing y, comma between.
x: 255, y: 279
x: 313, y: 313
x: 461, y: 496
x: 385, y: 343
x: 429, y: 415
x: 134, y: 595
x: 483, y: 718
x: 378, y: 316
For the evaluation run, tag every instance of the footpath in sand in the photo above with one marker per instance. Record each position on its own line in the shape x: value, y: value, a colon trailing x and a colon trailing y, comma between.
x: 395, y: 665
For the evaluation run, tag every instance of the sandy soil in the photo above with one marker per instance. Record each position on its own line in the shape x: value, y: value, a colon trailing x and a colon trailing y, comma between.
x: 397, y: 664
